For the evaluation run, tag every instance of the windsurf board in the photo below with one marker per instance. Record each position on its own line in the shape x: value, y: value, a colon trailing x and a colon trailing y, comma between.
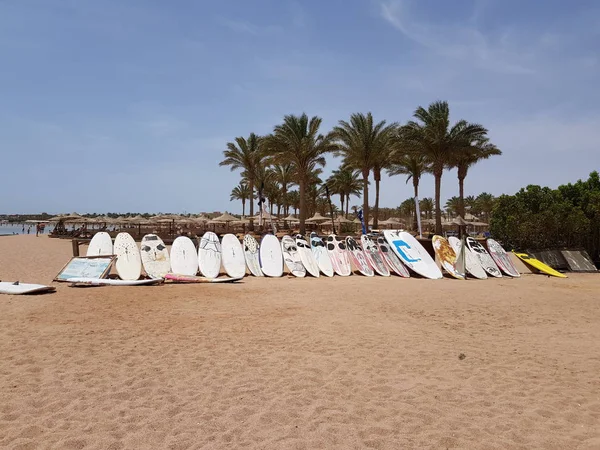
x: 538, y: 265
x: 374, y: 256
x: 251, y: 251
x: 100, y: 245
x: 338, y: 253
x: 307, y: 257
x: 178, y: 278
x: 209, y: 255
x: 18, y: 288
x: 155, y: 256
x: 232, y: 256
x: 271, y: 257
x: 502, y: 259
x: 412, y: 254
x: 471, y: 261
x: 129, y: 261
x: 447, y: 256
x: 483, y: 257
x: 358, y: 257
x: 184, y: 257
x: 112, y: 282
x: 321, y: 255
x: 291, y: 256
x: 391, y: 258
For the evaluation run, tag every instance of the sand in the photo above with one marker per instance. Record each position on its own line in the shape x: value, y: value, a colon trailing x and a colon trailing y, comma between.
x: 297, y: 363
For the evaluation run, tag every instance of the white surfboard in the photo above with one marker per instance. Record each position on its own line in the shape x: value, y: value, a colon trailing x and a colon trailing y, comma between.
x: 291, y: 257
x: 112, y: 282
x: 391, y: 258
x: 209, y: 255
x: 412, y: 254
x: 483, y: 257
x: 321, y: 255
x: 155, y: 256
x: 100, y: 245
x: 471, y: 262
x: 129, y: 261
x: 307, y: 257
x: 358, y: 258
x: 502, y: 259
x: 184, y: 257
x: 338, y: 253
x: 373, y: 256
x: 271, y: 257
x: 177, y: 278
x: 18, y: 288
x: 251, y: 249
x: 232, y: 256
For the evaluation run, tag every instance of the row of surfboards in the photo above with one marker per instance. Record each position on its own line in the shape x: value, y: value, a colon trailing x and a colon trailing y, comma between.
x: 392, y: 252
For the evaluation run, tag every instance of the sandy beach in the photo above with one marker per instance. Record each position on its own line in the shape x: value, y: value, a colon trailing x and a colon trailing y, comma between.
x: 382, y: 363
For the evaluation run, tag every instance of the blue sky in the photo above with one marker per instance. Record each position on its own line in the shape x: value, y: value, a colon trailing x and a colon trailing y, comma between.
x: 126, y: 105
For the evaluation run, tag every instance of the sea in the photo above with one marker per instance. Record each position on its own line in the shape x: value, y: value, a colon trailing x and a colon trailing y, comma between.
x: 8, y: 229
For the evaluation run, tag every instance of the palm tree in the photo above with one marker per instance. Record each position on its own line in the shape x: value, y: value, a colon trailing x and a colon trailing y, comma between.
x: 283, y: 174
x: 383, y: 160
x: 407, y: 209
x: 433, y: 137
x: 426, y: 206
x: 241, y: 192
x: 361, y: 143
x: 293, y: 199
x: 297, y: 142
x: 245, y: 154
x: 414, y: 166
x: 485, y: 203
x: 345, y: 182
x: 467, y: 157
x: 453, y: 206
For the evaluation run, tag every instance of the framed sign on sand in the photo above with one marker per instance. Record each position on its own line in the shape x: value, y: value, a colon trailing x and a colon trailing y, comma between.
x: 86, y: 267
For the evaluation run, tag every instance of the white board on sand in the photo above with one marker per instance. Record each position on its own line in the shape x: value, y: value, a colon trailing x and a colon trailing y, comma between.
x: 184, y: 257
x: 113, y: 282
x: 338, y: 253
x: 358, y: 257
x: 100, y: 245
x: 209, y: 255
x: 291, y: 257
x: 232, y: 256
x: 483, y: 257
x: 471, y: 262
x: 412, y: 254
x: 18, y: 288
x: 155, y: 256
x: 271, y: 257
x: 373, y: 256
x: 392, y: 260
x: 321, y: 255
x: 129, y: 261
x: 307, y: 257
x: 251, y: 249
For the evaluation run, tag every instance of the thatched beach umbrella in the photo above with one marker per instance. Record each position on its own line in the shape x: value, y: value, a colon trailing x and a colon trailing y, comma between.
x: 317, y: 218
x: 224, y: 218
x: 291, y: 218
x: 341, y: 219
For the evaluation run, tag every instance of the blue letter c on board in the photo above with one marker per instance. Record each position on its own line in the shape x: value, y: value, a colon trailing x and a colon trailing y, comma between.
x: 399, y: 245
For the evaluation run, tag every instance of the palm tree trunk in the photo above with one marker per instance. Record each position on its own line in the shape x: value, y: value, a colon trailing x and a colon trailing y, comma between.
x: 461, y: 196
x: 302, y: 218
x: 416, y: 190
x: 377, y: 176
x: 342, y: 203
x: 437, y: 173
x: 251, y: 224
x: 243, y: 208
x: 365, y: 174
x: 347, y: 205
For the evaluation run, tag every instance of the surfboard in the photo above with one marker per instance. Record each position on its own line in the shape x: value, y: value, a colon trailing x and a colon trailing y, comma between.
x: 307, y: 257
x: 112, y: 282
x: 18, y: 288
x: 232, y: 256
x: 538, y: 265
x: 483, y: 257
x: 155, y: 256
x: 391, y: 258
x: 251, y: 249
x: 271, y: 257
x: 447, y: 256
x: 100, y: 245
x: 471, y: 261
x: 184, y: 257
x: 338, y: 253
x: 373, y: 256
x: 358, y: 257
x: 129, y: 261
x: 178, y: 278
x: 321, y: 255
x: 209, y: 255
x: 412, y: 254
x: 502, y: 259
x: 292, y: 257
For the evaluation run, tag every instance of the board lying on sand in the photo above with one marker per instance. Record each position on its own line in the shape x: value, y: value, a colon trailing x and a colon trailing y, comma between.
x: 321, y: 255
x: 471, y: 261
x: 184, y: 257
x: 178, y: 278
x: 129, y: 261
x: 155, y: 256
x: 579, y: 261
x: 100, y: 245
x: 18, y: 288
x: 338, y: 253
x: 209, y: 255
x: 271, y: 257
x: 291, y: 257
x: 552, y: 258
x: 483, y: 257
x: 391, y: 259
x: 538, y: 265
x: 232, y: 256
x: 447, y: 256
x: 502, y: 259
x: 358, y: 257
x: 112, y: 282
x: 412, y: 254
x: 374, y: 256
x: 307, y: 257
x: 251, y: 249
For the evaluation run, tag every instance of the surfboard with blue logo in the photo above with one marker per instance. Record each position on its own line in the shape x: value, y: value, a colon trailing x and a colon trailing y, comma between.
x: 412, y: 254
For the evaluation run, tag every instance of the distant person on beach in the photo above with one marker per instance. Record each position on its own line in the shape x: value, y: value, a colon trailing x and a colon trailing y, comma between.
x: 23, y: 229
x: 28, y: 229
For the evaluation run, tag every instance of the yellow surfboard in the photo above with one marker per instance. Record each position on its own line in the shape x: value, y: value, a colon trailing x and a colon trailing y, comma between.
x: 538, y: 265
